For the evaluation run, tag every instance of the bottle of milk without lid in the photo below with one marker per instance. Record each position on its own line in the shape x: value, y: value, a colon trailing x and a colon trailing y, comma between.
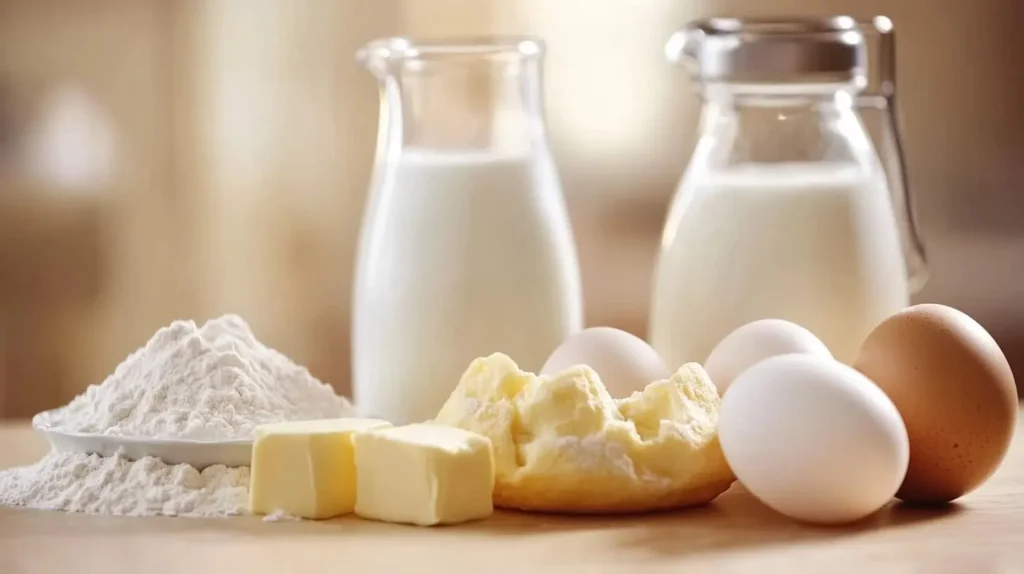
x: 466, y: 247
x: 785, y: 210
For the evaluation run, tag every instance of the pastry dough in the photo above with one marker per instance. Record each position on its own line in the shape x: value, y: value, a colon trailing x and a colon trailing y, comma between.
x: 563, y: 444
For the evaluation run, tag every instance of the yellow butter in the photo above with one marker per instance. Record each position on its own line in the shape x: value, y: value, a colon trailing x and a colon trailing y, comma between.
x: 563, y: 444
x: 306, y: 469
x: 424, y: 474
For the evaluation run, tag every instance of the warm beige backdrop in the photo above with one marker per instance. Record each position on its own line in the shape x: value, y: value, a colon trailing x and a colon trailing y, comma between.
x: 244, y: 134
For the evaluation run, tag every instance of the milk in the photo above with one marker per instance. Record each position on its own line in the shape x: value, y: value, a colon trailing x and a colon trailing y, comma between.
x: 461, y: 255
x: 813, y: 244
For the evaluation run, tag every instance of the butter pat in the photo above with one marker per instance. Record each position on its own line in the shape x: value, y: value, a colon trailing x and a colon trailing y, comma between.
x: 306, y: 469
x: 424, y: 474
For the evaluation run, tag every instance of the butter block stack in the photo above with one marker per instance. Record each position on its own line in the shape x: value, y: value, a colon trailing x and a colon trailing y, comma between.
x: 306, y: 469
x: 424, y: 474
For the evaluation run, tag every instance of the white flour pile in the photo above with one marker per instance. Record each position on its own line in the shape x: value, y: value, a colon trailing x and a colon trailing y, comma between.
x: 211, y: 383
x: 78, y: 482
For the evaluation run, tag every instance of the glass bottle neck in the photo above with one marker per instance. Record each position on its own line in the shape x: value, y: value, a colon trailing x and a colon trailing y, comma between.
x: 774, y: 95
x: 470, y: 103
x: 783, y: 124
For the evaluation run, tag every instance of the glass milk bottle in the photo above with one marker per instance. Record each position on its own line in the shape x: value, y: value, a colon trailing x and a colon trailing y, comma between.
x: 466, y: 247
x: 785, y: 210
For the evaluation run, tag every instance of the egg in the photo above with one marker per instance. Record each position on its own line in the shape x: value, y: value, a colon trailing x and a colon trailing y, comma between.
x: 955, y: 391
x: 625, y: 362
x: 755, y: 342
x: 813, y: 439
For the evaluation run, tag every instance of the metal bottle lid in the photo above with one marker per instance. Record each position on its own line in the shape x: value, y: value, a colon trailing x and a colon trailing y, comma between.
x: 791, y: 50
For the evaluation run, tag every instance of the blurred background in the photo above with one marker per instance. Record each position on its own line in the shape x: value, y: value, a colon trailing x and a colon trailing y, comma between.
x: 163, y: 160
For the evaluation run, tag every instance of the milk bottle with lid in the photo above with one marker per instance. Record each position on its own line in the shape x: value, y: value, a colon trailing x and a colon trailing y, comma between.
x: 785, y: 210
x: 466, y: 247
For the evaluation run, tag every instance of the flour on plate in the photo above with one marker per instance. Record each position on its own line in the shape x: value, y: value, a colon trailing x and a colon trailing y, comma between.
x: 212, y: 383
x: 217, y: 382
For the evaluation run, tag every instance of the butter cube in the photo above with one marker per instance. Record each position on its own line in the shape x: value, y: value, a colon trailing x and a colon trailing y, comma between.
x: 424, y: 474
x: 306, y: 469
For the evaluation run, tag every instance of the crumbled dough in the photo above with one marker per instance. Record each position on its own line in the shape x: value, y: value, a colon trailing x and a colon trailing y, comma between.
x: 563, y: 444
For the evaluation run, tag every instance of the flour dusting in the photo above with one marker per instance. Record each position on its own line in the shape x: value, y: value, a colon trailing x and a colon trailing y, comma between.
x: 77, y: 482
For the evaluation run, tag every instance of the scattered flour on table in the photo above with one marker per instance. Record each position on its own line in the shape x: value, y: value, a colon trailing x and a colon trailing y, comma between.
x: 76, y: 482
x: 217, y: 382
x: 280, y: 516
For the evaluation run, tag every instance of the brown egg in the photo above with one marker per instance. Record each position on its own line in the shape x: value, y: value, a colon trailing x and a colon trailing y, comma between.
x: 955, y: 391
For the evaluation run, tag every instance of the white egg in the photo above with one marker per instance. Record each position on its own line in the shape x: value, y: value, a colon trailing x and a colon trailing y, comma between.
x: 625, y: 362
x: 813, y: 439
x: 754, y: 342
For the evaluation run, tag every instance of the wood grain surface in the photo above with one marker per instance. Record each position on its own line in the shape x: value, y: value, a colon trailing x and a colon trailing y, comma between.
x: 980, y: 534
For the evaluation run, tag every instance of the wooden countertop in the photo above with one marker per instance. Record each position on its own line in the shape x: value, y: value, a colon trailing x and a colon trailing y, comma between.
x: 980, y: 534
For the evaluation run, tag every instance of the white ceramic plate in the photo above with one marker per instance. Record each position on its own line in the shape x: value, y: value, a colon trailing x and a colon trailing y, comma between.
x: 199, y: 454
